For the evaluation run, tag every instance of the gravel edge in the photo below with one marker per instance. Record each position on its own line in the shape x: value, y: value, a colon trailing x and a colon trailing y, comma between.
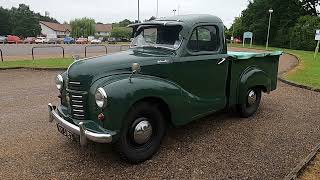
x: 302, y: 165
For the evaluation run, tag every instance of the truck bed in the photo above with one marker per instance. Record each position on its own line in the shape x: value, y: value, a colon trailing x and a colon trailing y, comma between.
x: 251, y: 62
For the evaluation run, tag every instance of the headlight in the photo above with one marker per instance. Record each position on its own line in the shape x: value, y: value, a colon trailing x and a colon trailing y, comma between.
x: 59, y: 82
x: 101, y: 98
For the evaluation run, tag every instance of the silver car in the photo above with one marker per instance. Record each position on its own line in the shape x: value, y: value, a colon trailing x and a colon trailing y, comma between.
x: 3, y: 39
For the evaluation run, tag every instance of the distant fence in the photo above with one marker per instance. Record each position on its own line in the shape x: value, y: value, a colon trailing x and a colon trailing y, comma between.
x: 1, y: 55
x: 46, y: 47
x: 85, y: 48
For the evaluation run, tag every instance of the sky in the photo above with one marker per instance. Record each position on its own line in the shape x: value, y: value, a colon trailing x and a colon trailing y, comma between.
x: 109, y: 11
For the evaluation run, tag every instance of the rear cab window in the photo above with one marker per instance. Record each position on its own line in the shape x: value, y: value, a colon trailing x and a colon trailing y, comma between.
x: 204, y: 39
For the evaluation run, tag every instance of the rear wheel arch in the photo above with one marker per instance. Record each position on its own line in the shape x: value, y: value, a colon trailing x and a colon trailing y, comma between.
x: 253, y: 78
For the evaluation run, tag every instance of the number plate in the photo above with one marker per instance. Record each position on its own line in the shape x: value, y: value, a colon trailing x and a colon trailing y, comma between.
x: 66, y: 133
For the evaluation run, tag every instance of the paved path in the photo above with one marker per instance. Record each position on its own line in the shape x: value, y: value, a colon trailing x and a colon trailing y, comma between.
x: 222, y: 146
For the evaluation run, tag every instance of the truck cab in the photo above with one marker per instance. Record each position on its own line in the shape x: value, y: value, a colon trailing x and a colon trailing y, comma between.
x: 177, y: 70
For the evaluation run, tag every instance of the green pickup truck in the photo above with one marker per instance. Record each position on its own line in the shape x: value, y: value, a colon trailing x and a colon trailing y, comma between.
x: 177, y: 70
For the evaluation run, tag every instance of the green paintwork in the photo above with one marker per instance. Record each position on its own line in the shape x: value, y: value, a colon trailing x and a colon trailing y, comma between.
x: 192, y: 85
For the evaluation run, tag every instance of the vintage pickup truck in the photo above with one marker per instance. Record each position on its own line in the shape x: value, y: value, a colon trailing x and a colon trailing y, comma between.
x: 176, y: 71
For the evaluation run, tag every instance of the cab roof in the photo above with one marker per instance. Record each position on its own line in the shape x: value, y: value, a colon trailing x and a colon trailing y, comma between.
x: 184, y: 20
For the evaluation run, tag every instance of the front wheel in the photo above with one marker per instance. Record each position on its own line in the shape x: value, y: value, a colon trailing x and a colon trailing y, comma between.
x: 252, y: 102
x: 142, y: 133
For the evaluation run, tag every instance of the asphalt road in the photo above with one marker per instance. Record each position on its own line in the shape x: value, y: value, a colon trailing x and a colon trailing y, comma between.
x: 221, y: 146
x: 24, y: 51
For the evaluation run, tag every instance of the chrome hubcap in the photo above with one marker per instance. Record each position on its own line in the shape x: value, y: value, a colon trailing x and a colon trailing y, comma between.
x: 142, y: 132
x: 252, y: 97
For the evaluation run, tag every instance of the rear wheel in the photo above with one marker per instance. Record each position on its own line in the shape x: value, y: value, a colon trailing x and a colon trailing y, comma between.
x: 142, y: 133
x: 252, y: 102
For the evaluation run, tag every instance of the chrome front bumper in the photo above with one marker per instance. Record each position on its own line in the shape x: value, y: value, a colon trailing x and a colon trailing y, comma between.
x: 80, y: 130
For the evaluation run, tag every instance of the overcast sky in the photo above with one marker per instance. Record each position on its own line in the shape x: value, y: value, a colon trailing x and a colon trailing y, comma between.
x: 108, y: 11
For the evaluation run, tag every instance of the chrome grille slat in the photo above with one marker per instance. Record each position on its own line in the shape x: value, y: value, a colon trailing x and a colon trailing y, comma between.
x: 76, y: 110
x: 77, y: 100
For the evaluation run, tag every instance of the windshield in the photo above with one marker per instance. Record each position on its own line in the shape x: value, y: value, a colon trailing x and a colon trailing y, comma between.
x: 158, y: 36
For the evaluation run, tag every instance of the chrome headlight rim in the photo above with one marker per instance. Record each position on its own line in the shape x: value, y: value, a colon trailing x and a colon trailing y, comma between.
x: 101, y: 98
x: 59, y: 82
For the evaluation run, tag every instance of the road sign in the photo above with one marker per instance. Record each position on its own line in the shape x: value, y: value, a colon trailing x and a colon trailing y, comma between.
x: 247, y: 35
x: 317, y: 36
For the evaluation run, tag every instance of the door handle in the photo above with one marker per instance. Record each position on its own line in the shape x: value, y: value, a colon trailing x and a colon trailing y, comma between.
x: 222, y: 61
x: 163, y: 61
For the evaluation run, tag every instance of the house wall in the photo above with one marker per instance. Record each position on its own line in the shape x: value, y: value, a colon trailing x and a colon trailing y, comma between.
x: 45, y: 30
x: 103, y: 33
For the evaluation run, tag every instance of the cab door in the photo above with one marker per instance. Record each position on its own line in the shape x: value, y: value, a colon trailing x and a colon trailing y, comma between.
x: 203, y: 71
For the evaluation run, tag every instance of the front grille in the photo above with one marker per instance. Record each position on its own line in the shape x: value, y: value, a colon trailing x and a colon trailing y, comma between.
x: 74, y: 85
x: 77, y: 100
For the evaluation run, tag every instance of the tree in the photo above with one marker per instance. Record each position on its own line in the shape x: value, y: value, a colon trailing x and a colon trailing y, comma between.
x: 311, y: 6
x: 256, y: 19
x: 45, y: 18
x: 4, y: 22
x: 23, y: 21
x: 121, y: 32
x: 302, y: 34
x: 82, y: 27
x: 125, y: 23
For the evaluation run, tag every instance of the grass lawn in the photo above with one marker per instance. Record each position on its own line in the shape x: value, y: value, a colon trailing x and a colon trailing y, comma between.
x: 308, y: 71
x: 38, y: 63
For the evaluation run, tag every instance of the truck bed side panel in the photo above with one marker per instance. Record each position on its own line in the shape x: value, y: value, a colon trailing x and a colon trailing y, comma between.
x: 255, y: 71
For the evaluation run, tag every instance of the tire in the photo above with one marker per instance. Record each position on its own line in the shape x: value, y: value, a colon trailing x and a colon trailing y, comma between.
x: 129, y: 147
x: 248, y: 109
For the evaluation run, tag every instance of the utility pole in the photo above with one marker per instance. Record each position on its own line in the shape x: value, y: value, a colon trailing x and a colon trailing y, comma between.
x: 267, y: 44
x: 138, y: 11
x: 157, y: 9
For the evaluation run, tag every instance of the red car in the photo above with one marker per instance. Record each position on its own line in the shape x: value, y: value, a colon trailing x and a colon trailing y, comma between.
x: 82, y: 41
x: 13, y: 39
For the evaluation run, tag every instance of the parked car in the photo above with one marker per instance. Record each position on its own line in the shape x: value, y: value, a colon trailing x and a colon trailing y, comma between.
x: 29, y: 40
x: 172, y: 75
x: 112, y: 40
x: 50, y: 41
x: 96, y: 41
x: 90, y: 38
x: 3, y: 39
x: 68, y: 40
x: 11, y: 39
x: 39, y: 40
x: 237, y: 40
x: 82, y: 41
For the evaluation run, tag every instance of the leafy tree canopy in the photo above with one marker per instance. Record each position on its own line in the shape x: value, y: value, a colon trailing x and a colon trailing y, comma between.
x: 286, y: 14
x: 21, y: 21
x: 83, y: 27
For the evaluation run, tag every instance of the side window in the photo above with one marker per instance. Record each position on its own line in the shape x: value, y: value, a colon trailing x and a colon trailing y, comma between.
x: 204, y: 38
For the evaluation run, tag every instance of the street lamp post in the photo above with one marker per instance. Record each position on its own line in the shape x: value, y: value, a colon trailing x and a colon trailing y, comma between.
x: 270, y: 12
x: 138, y: 11
x: 157, y: 9
x: 174, y: 12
